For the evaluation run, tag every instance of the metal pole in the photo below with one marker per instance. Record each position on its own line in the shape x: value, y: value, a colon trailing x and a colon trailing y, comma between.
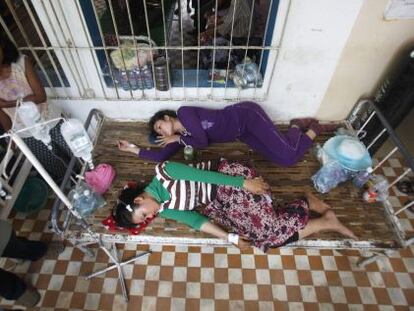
x: 39, y: 167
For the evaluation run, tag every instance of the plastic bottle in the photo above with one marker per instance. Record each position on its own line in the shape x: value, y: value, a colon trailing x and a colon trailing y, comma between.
x: 329, y: 176
x: 188, y: 153
x: 124, y: 80
x: 139, y: 78
x: 29, y: 114
x: 78, y: 140
x: 377, y: 189
x: 133, y: 80
x: 84, y: 200
x: 247, y: 74
x: 3, y: 193
x: 147, y: 74
x: 362, y: 177
x: 318, y: 152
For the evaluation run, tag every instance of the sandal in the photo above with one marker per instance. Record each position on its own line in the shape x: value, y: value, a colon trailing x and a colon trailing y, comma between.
x: 302, y: 123
x: 318, y: 128
x: 406, y: 187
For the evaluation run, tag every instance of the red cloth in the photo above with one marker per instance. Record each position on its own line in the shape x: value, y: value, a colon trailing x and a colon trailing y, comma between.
x: 110, y: 224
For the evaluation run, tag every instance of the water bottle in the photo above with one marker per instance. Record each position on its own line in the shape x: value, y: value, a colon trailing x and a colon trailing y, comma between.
x: 124, y: 80
x: 188, y: 153
x: 84, y: 200
x: 78, y: 140
x: 88, y: 201
x: 147, y: 75
x: 29, y: 114
x: 133, y: 80
x: 329, y: 176
x: 3, y: 194
x: 252, y: 72
x: 362, y: 177
x: 138, y: 75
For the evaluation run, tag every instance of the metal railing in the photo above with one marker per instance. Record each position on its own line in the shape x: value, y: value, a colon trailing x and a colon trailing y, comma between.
x: 57, y: 27
x: 92, y: 125
x: 367, y: 111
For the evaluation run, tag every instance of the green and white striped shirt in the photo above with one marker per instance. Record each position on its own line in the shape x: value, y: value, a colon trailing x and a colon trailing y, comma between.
x: 184, y: 194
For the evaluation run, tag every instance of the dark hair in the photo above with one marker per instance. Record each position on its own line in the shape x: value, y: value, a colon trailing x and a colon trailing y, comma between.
x: 122, y: 216
x: 159, y: 116
x: 10, y: 52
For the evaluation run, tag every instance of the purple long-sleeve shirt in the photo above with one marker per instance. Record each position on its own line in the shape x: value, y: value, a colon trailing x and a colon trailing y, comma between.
x: 245, y: 121
x: 204, y: 126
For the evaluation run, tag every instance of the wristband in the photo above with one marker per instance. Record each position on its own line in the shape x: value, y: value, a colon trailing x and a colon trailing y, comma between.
x: 233, y: 238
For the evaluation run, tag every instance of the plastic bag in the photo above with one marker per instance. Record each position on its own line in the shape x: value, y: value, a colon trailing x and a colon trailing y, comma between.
x: 377, y: 189
x: 100, y: 179
x: 329, y: 176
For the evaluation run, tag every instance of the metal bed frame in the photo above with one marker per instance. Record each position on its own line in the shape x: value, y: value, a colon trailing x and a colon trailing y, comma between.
x: 364, y: 112
x: 82, y: 236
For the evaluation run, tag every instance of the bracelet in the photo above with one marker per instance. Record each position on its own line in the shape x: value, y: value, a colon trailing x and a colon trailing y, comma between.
x: 233, y: 238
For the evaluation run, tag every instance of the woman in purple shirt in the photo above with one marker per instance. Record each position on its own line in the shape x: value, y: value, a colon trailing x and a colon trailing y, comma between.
x: 244, y: 121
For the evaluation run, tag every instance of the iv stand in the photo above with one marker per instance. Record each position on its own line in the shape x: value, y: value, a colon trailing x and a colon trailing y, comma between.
x: 113, y: 257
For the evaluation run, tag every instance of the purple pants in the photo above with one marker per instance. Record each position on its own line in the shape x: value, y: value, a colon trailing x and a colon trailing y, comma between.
x: 259, y: 132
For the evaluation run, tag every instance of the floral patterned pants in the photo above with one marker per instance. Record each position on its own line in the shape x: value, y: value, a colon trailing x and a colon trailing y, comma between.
x: 254, y: 216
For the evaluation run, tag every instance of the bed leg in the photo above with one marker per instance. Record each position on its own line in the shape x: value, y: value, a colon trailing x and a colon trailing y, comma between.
x: 363, y: 261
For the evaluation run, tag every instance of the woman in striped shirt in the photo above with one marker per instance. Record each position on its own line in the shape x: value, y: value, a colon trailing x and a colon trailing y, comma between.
x: 233, y: 197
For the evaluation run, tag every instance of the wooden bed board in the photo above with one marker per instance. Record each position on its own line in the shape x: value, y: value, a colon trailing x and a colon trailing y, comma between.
x: 370, y: 222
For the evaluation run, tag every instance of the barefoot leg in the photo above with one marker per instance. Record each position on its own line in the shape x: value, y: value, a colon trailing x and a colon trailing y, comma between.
x: 315, y: 204
x: 328, y: 222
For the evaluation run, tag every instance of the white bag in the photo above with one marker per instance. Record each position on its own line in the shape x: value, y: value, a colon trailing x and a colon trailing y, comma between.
x: 129, y: 52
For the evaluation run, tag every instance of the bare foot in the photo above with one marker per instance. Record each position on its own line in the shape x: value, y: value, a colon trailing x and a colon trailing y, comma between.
x: 337, y: 226
x: 315, y: 204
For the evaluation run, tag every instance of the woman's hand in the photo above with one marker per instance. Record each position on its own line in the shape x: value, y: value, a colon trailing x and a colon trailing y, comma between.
x: 256, y: 185
x: 124, y: 145
x: 165, y: 140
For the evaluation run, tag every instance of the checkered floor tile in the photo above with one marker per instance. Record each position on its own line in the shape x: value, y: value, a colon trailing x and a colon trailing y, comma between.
x: 207, y: 278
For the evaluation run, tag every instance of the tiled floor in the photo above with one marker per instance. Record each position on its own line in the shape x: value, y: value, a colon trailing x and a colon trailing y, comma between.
x: 206, y: 278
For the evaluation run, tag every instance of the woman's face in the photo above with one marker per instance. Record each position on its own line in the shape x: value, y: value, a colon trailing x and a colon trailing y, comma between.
x: 164, y: 127
x: 145, y: 208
